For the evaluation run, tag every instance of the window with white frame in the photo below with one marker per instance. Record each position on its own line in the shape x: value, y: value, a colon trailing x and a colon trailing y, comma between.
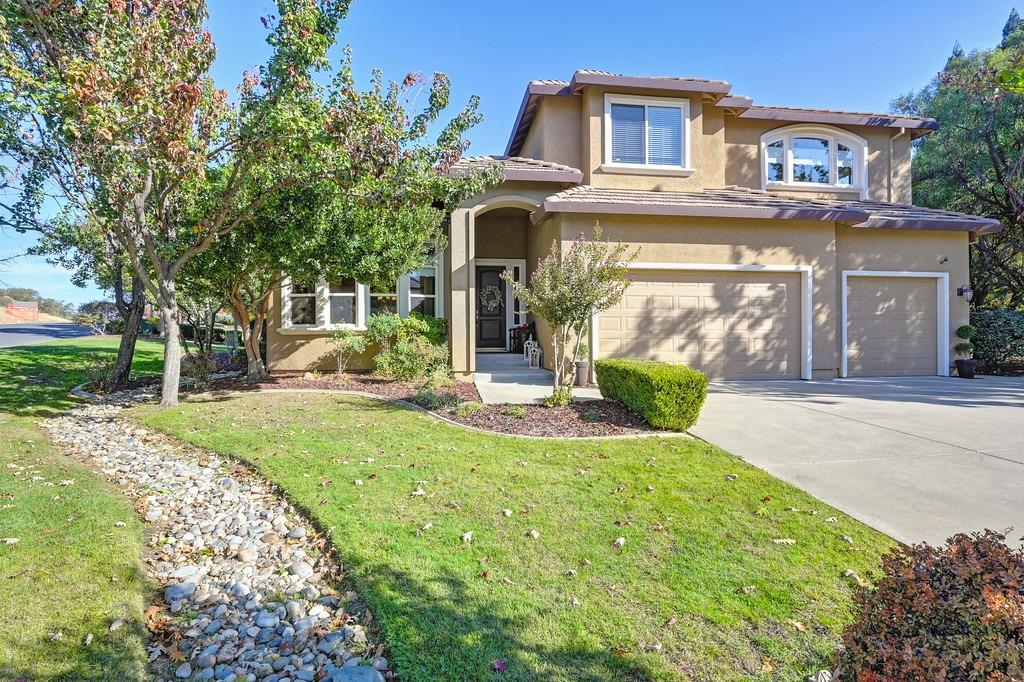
x: 342, y: 299
x: 814, y: 157
x: 347, y: 303
x: 647, y: 132
x: 302, y: 304
x: 423, y: 291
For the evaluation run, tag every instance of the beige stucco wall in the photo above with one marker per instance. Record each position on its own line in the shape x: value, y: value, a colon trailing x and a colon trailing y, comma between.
x: 724, y: 149
x: 292, y: 352
x: 555, y: 133
x: 502, y: 233
x: 888, y: 177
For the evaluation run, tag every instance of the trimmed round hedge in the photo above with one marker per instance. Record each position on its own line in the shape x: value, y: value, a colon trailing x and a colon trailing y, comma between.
x: 668, y: 396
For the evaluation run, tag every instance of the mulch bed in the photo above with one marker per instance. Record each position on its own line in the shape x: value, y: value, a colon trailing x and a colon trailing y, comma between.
x: 579, y: 420
x: 367, y: 383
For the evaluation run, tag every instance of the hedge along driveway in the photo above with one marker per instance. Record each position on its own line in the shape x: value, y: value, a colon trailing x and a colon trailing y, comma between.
x: 73, y: 569
x: 700, y: 589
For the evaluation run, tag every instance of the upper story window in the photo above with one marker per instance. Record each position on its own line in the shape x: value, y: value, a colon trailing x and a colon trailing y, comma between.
x: 346, y: 303
x: 649, y: 134
x: 814, y: 157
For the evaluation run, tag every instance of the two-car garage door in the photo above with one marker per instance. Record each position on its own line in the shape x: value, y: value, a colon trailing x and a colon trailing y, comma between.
x: 747, y: 324
x: 731, y: 325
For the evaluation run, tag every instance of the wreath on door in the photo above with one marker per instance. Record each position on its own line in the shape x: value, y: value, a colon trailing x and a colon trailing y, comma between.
x: 490, y: 298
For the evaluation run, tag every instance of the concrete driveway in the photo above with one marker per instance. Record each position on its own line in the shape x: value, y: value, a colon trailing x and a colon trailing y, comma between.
x: 918, y: 458
x: 21, y: 334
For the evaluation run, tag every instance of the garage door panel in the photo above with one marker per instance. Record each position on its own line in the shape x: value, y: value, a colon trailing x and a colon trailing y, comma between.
x: 731, y: 325
x: 891, y: 326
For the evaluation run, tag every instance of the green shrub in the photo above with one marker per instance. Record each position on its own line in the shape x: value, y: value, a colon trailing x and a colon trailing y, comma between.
x: 998, y: 340
x: 115, y: 326
x: 437, y: 329
x: 435, y: 400
x: 517, y: 411
x: 467, y: 408
x: 668, y: 396
x: 409, y: 359
x: 199, y: 366
x: 941, y: 613
x: 406, y: 350
x: 560, y: 397
x: 98, y: 368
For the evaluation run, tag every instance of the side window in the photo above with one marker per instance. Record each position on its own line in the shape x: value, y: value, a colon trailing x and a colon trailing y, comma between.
x: 423, y: 291
x: 303, y: 304
x: 341, y: 297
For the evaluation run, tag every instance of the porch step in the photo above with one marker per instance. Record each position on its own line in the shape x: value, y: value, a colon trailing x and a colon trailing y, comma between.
x: 526, y: 376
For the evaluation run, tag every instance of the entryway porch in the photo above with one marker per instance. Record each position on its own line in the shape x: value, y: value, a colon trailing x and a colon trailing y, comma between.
x: 508, y: 378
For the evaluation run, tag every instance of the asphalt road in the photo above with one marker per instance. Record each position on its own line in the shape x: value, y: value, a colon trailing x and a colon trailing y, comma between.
x: 21, y: 334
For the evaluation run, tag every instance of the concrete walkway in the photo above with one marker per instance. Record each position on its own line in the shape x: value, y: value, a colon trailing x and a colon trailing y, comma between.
x: 508, y: 378
x: 918, y: 458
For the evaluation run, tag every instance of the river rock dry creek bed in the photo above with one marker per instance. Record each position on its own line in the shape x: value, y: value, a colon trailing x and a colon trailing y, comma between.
x: 247, y: 584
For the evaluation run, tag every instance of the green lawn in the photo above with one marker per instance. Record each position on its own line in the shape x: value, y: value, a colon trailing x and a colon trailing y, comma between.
x: 699, y: 591
x: 73, y: 570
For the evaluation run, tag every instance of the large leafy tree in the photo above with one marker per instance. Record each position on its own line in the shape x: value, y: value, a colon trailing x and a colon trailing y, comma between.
x: 975, y: 162
x: 109, y: 105
x: 378, y: 214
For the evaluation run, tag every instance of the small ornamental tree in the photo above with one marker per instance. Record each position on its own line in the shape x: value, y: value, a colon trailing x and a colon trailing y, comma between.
x: 566, y: 289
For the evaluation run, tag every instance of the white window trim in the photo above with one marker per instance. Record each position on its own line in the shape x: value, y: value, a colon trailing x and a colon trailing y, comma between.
x: 857, y: 144
x: 942, y: 314
x: 510, y: 297
x: 647, y: 168
x: 362, y: 297
x: 806, y: 303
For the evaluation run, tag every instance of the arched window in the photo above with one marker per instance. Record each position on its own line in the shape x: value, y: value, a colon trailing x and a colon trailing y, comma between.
x: 814, y: 157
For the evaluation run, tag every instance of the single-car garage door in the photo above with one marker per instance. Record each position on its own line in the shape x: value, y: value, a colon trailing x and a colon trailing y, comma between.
x: 731, y: 325
x: 891, y: 326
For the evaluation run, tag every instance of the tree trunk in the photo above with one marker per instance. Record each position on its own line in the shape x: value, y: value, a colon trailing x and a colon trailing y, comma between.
x: 132, y: 314
x: 252, y: 330
x: 172, y: 356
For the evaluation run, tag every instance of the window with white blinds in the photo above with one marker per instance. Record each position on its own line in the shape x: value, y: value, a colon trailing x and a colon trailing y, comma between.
x: 646, y: 131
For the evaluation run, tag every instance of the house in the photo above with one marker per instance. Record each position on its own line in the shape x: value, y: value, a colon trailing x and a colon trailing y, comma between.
x: 774, y: 242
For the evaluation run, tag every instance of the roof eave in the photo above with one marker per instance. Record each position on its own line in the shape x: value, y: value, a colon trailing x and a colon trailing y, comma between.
x: 585, y: 78
x: 973, y: 226
x: 549, y: 206
x: 525, y: 175
x: 919, y: 125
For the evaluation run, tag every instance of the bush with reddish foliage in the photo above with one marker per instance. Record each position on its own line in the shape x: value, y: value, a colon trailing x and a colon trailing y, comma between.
x: 941, y: 614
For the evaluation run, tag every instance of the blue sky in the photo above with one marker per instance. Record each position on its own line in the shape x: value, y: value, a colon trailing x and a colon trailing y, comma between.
x: 820, y: 54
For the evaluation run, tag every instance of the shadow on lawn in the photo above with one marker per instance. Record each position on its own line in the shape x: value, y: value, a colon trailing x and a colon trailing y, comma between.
x: 461, y: 636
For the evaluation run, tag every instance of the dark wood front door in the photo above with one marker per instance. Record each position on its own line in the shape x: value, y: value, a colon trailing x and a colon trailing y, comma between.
x: 490, y: 307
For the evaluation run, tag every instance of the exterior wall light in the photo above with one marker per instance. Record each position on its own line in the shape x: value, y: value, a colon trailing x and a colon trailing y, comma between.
x: 966, y: 291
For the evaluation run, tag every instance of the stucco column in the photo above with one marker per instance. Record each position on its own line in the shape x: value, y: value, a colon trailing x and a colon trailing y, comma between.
x: 461, y: 340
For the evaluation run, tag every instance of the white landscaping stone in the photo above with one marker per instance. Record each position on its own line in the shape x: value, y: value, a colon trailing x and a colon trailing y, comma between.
x: 257, y: 547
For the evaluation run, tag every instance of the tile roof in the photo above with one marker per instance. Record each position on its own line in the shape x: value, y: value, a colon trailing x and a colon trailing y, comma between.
x: 727, y: 202
x: 738, y: 202
x: 836, y: 116
x: 523, y: 168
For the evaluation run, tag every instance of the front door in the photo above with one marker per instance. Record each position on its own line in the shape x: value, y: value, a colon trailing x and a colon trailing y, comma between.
x: 490, y: 307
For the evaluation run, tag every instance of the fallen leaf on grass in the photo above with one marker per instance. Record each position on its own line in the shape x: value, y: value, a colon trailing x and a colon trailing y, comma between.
x: 9, y: 541
x: 747, y: 589
x: 534, y: 534
x: 467, y: 537
x: 800, y: 627
x: 671, y: 621
x: 419, y: 492
x: 852, y: 575
x: 619, y: 543
x: 831, y: 519
x: 784, y: 541
x: 500, y: 665
x: 731, y: 477
x: 507, y: 581
x: 767, y: 665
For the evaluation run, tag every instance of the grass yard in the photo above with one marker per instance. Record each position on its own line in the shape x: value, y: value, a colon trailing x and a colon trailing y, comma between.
x: 73, y: 570
x: 699, y: 591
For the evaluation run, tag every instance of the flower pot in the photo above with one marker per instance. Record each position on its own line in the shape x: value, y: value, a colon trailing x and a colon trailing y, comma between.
x: 582, y: 373
x: 965, y: 368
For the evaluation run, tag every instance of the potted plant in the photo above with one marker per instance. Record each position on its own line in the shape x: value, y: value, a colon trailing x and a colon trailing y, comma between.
x: 583, y: 365
x: 966, y: 365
